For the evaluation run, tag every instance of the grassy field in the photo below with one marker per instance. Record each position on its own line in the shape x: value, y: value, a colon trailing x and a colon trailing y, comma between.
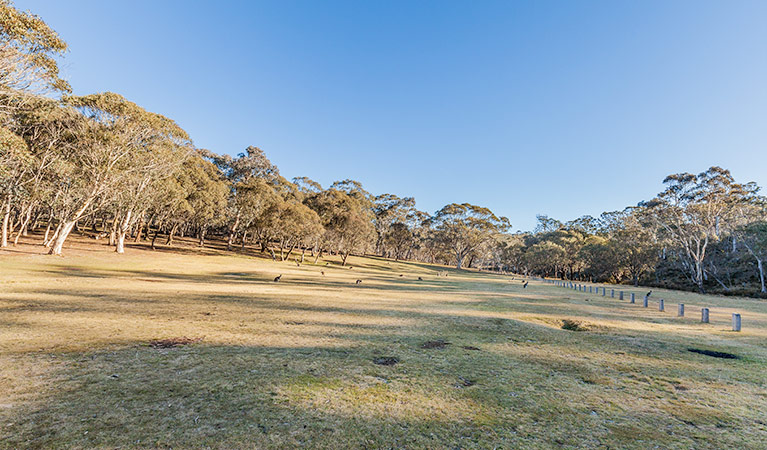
x: 293, y: 364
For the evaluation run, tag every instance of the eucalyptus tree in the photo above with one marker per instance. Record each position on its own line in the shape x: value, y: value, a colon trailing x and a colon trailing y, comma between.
x: 388, y: 210
x: 206, y: 193
x: 28, y: 52
x: 115, y: 150
x: 346, y: 219
x: 635, y: 241
x: 545, y: 258
x: 43, y: 124
x: 696, y: 210
x: 293, y: 224
x: 15, y: 162
x: 754, y: 238
x: 462, y: 228
x: 241, y: 171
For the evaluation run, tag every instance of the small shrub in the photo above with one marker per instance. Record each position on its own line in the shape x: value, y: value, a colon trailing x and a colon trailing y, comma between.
x: 573, y: 325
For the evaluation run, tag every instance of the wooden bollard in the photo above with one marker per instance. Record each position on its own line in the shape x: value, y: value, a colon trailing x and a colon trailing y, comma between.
x: 620, y: 295
x: 633, y: 298
x: 704, y: 315
x: 681, y: 310
x: 646, y: 301
x: 661, y: 306
x: 735, y: 322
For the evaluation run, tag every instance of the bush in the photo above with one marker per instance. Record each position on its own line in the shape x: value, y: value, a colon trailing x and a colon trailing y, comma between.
x: 573, y: 325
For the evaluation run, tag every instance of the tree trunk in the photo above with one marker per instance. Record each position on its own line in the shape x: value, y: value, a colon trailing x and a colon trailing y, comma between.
x: 232, y: 231
x: 139, y: 230
x: 173, y: 229
x: 202, y: 236
x: 46, y: 241
x: 154, y: 239
x: 761, y: 273
x: 344, y: 256
x: 290, y: 252
x: 122, y: 231
x: 61, y: 236
x: 318, y: 255
x: 244, y: 240
x: 6, y: 220
x: 23, y: 228
x: 113, y: 231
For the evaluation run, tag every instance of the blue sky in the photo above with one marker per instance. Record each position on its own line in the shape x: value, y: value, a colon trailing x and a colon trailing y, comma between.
x: 562, y: 108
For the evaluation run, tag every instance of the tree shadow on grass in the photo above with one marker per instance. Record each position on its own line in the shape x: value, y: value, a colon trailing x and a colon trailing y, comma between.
x: 278, y: 397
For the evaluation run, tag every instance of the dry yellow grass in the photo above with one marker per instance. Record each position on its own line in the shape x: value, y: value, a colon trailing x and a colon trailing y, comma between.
x: 290, y: 364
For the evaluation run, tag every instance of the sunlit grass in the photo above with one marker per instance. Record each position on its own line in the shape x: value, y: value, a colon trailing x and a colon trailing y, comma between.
x: 292, y: 363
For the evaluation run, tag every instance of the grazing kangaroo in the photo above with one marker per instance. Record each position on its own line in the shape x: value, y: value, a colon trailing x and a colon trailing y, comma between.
x: 648, y: 294
x: 358, y: 282
x: 277, y: 279
x: 322, y: 272
x: 525, y: 286
x: 420, y: 279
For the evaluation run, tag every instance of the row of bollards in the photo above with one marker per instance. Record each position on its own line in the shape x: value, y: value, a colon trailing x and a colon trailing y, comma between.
x: 736, y: 321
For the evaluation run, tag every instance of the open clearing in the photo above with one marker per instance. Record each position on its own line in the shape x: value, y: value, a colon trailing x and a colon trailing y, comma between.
x: 193, y: 349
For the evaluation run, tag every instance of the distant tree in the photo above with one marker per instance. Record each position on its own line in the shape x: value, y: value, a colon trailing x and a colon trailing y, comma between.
x: 635, y: 243
x: 347, y: 220
x: 754, y: 238
x: 547, y: 224
x: 388, y: 210
x: 462, y: 228
x: 695, y: 210
x: 15, y: 162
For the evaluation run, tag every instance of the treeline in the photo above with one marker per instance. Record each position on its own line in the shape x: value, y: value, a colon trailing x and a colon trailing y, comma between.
x: 703, y: 232
x: 103, y: 165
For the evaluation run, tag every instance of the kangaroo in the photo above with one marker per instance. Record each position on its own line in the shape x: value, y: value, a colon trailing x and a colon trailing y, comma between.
x: 525, y: 286
x: 358, y: 282
x: 420, y: 279
x: 277, y: 279
x: 322, y: 272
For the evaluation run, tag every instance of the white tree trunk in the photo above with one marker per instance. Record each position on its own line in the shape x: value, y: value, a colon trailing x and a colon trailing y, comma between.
x: 58, y: 243
x: 122, y: 231
x: 6, y: 220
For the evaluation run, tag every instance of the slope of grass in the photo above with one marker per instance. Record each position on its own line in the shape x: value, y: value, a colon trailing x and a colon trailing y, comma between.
x: 291, y: 364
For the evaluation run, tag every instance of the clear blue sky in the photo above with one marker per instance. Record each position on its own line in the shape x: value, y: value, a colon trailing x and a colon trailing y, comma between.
x: 557, y: 107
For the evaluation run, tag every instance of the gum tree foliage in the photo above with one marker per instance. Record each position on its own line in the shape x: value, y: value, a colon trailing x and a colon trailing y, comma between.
x: 390, y: 210
x: 28, y: 52
x: 462, y: 228
x: 116, y: 150
x: 346, y: 218
x: 696, y: 210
